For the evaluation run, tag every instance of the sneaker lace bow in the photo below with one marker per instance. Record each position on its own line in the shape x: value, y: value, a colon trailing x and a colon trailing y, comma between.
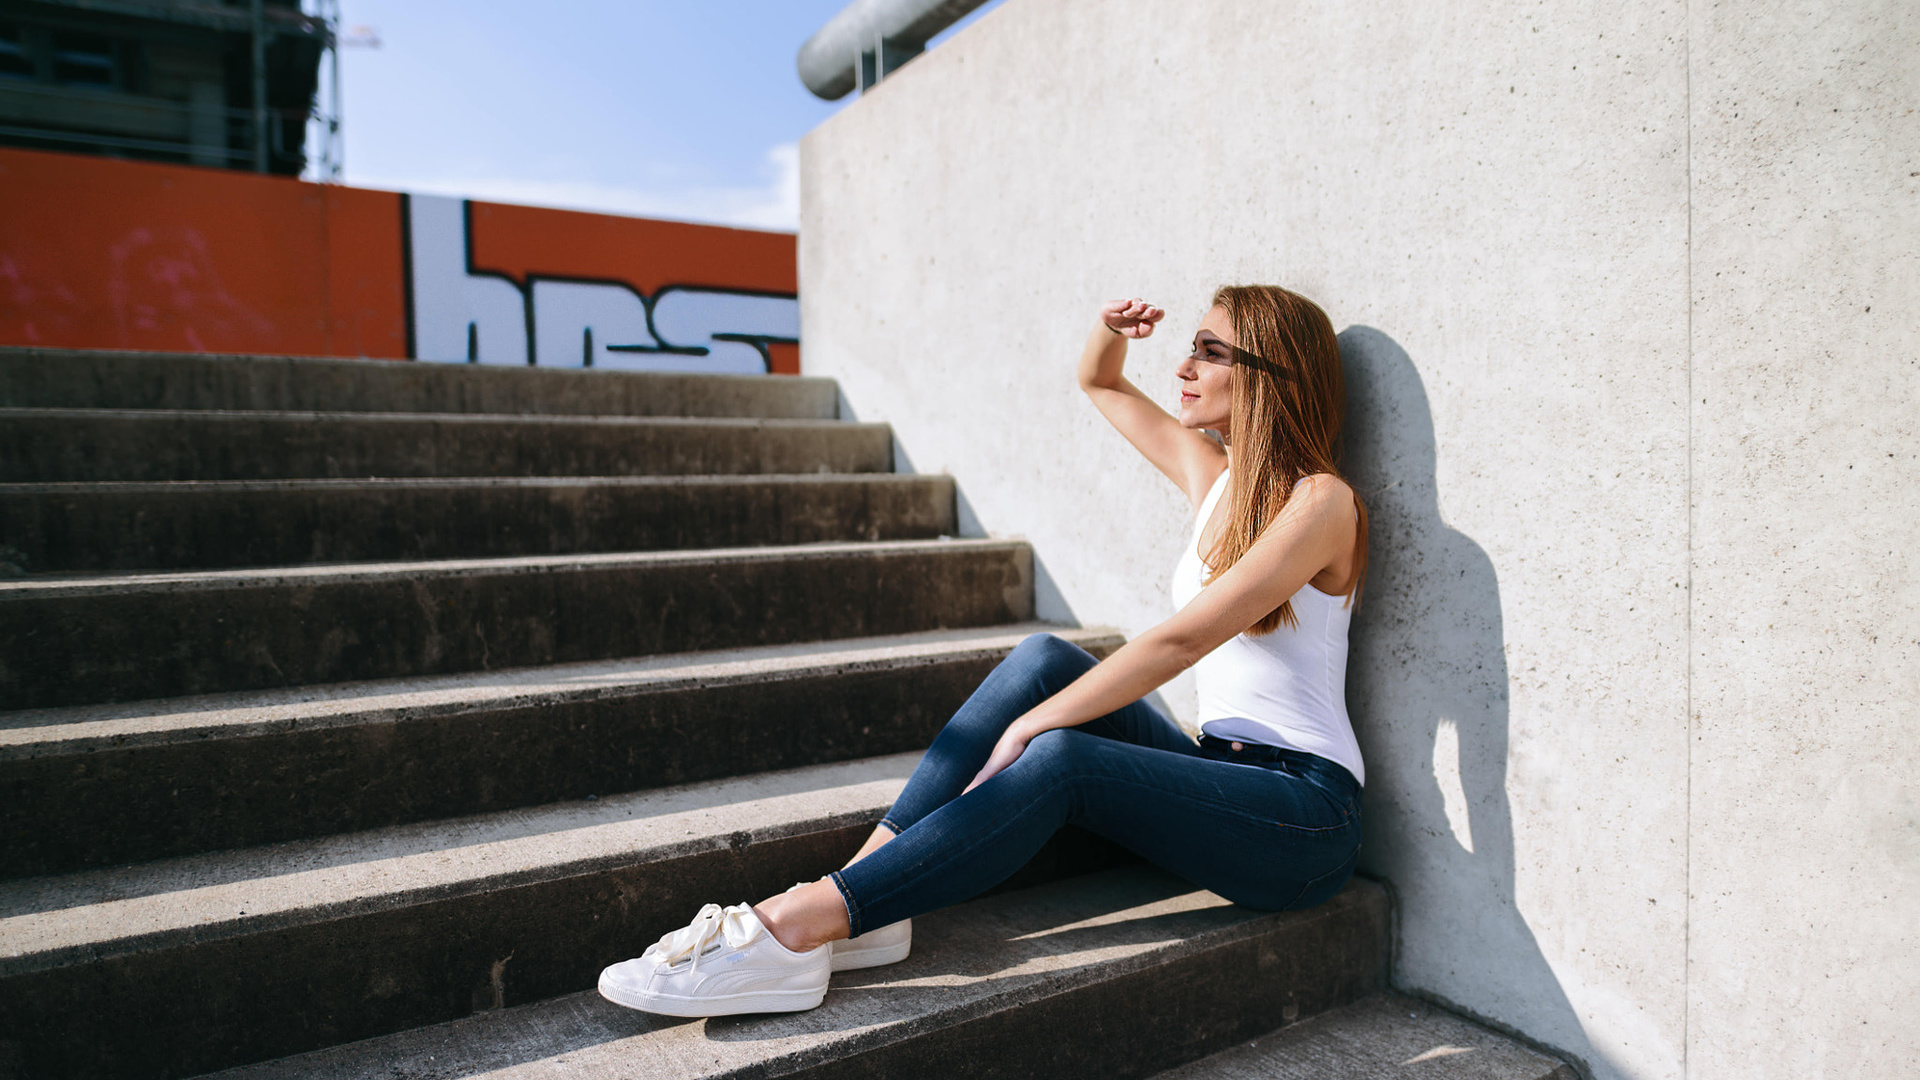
x: 735, y: 925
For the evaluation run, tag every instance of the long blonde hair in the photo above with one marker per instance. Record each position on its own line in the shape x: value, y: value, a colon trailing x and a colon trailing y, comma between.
x: 1289, y: 398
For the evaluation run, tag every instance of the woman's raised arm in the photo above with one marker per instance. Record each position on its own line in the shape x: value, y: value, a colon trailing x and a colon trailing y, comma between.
x: 1189, y: 459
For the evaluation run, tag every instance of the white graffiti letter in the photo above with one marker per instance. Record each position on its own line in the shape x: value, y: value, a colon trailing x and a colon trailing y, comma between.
x: 458, y: 315
x: 571, y: 316
x: 731, y: 326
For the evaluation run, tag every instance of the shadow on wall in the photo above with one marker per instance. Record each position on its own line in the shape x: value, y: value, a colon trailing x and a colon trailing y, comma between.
x: 1427, y: 689
x: 1049, y: 603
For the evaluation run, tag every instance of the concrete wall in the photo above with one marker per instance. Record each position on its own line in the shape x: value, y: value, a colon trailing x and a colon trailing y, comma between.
x: 1805, y: 665
x: 1636, y: 674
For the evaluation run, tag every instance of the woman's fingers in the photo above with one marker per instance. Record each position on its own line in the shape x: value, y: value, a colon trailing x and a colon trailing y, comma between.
x: 1132, y: 317
x: 1005, y: 753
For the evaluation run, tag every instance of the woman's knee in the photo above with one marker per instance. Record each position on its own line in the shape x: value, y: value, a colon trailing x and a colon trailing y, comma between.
x: 1047, y: 646
x: 1036, y: 669
x: 1048, y: 659
x: 1059, y: 751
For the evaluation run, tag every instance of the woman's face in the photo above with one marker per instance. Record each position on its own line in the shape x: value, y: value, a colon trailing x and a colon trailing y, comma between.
x: 1206, y: 376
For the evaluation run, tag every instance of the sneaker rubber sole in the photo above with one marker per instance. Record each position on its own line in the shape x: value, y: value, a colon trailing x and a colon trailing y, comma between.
x: 869, y: 957
x: 761, y: 1001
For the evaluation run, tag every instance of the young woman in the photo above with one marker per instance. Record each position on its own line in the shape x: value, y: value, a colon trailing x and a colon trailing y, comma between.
x: 1264, y: 809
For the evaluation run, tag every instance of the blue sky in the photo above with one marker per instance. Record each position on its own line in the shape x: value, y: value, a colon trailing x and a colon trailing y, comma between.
x: 682, y: 110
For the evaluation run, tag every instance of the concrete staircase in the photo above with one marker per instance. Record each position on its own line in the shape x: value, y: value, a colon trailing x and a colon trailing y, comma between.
x: 357, y: 713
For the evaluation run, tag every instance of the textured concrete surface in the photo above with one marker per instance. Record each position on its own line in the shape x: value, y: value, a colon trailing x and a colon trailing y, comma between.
x: 54, y: 922
x: 97, y: 785
x: 1491, y: 203
x: 56, y: 527
x: 1627, y: 304
x: 130, y: 636
x: 1385, y: 1037
x: 1115, y: 975
x: 176, y: 967
x: 41, y: 445
x: 1804, y: 951
x: 106, y: 379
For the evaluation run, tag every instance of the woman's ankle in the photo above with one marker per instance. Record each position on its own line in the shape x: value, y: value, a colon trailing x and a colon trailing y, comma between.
x: 806, y: 918
x: 881, y: 835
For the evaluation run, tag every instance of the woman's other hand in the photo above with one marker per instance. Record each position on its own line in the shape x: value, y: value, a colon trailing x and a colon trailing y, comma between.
x: 1005, y: 752
x: 1131, y: 318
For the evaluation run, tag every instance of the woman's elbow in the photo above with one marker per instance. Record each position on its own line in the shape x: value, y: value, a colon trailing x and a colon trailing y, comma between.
x: 1179, y: 650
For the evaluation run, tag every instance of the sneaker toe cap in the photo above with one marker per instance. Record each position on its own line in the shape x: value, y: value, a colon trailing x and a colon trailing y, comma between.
x: 632, y: 976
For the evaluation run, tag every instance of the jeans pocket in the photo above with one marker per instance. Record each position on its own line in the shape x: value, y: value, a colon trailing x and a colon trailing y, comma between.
x: 1323, y: 888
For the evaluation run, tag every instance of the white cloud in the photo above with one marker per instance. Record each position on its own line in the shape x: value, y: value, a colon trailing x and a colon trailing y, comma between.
x: 772, y: 205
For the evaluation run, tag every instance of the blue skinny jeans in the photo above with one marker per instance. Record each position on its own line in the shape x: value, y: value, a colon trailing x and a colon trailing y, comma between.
x: 1269, y: 836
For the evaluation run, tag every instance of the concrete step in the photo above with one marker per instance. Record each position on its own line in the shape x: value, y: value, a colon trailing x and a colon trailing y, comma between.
x: 1383, y: 1036
x: 200, y: 963
x: 1116, y: 974
x: 98, y: 785
x: 108, y: 379
x: 47, y: 445
x: 123, y: 637
x: 225, y: 524
x: 182, y: 966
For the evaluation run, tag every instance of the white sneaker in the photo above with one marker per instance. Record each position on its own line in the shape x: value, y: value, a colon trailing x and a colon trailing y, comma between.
x: 888, y: 945
x: 722, y: 963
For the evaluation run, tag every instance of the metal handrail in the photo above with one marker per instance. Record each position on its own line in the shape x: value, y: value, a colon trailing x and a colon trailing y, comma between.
x: 869, y: 39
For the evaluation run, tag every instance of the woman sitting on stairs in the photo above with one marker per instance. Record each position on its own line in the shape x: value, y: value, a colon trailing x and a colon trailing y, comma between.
x: 1264, y: 809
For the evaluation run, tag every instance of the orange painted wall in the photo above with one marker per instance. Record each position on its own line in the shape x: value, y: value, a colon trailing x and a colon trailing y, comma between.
x: 646, y: 254
x: 97, y: 253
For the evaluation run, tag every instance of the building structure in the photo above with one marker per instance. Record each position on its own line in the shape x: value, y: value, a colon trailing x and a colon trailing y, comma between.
x: 200, y: 82
x: 1626, y: 296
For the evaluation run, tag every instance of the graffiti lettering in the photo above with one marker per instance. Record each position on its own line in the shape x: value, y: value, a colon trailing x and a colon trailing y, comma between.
x: 459, y: 314
x: 455, y: 313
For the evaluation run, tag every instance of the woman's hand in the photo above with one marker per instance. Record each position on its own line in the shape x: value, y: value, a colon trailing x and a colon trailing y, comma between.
x: 1005, y: 752
x: 1130, y: 318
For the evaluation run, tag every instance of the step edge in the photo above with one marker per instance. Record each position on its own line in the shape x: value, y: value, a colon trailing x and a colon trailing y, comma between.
x: 589, y: 420
x: 1251, y: 928
x: 1254, y: 926
x: 337, y: 574
x: 1352, y: 1015
x: 769, y: 818
x: 43, y: 733
x: 370, y: 363
x: 301, y: 485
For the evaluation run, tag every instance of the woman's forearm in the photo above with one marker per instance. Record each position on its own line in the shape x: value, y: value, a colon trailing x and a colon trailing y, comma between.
x: 1102, y: 359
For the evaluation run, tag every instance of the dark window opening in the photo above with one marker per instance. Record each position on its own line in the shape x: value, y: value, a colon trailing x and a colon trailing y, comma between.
x: 14, y: 61
x: 83, y: 60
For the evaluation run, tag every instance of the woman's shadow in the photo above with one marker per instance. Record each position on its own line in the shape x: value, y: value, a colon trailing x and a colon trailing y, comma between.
x: 1427, y: 688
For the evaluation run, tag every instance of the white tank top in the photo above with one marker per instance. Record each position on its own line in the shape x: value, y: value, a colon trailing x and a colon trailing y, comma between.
x: 1287, y: 688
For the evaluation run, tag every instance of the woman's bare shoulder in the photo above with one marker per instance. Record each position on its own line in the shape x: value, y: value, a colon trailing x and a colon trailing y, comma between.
x: 1319, y: 500
x: 1322, y: 488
